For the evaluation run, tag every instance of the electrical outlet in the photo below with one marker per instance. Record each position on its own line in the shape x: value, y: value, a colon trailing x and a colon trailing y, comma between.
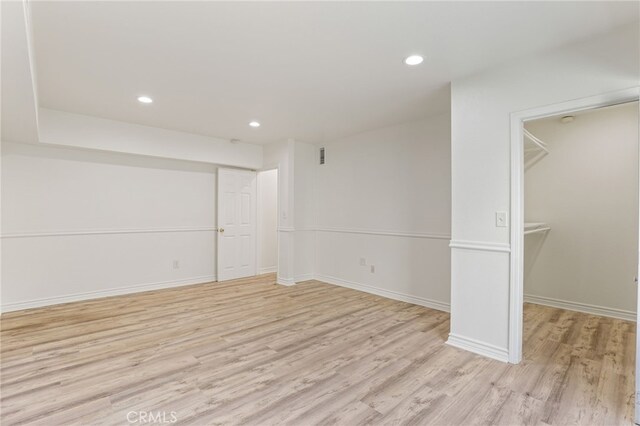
x: 176, y: 264
x: 373, y: 269
x: 363, y: 261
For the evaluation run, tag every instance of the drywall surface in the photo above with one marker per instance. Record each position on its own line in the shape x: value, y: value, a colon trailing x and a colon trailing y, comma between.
x: 281, y: 155
x: 305, y: 170
x: 383, y: 212
x: 267, y: 221
x: 296, y: 163
x: 480, y: 132
x: 78, y: 224
x: 587, y: 190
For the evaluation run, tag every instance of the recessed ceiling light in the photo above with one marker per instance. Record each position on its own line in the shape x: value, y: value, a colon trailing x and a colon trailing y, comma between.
x: 414, y: 60
x: 254, y: 124
x: 145, y: 99
x: 567, y: 118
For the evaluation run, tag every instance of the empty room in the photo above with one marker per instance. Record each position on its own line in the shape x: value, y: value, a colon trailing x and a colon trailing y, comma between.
x: 319, y: 213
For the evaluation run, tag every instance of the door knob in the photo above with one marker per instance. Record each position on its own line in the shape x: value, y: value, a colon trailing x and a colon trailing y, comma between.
x: 221, y: 230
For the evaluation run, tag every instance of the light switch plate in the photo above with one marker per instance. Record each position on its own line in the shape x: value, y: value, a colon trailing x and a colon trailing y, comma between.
x: 501, y: 220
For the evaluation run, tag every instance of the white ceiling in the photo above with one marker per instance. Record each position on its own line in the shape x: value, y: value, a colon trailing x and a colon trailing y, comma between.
x: 311, y: 71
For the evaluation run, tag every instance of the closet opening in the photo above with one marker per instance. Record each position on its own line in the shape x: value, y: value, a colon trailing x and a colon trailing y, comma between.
x: 267, y: 222
x: 575, y: 191
x: 581, y: 223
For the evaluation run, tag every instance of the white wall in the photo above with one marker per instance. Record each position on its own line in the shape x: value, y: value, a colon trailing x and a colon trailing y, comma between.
x: 587, y: 190
x: 296, y: 162
x: 305, y: 173
x: 281, y: 155
x: 481, y: 107
x: 267, y: 221
x: 384, y: 196
x: 78, y: 224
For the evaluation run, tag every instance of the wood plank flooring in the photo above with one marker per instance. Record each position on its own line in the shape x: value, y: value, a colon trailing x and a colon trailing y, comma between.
x: 253, y: 352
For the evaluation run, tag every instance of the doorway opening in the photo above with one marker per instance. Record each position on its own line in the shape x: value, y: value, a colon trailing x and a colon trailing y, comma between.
x: 574, y: 232
x: 581, y: 211
x: 247, y: 232
x: 267, y: 234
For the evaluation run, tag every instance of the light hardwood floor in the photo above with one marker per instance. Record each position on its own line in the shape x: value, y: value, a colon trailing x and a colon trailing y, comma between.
x: 253, y: 352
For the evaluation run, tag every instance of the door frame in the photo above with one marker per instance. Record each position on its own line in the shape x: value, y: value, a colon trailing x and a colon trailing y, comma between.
x: 516, y: 270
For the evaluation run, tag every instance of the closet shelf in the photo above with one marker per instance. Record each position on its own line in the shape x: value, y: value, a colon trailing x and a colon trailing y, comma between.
x: 534, y: 149
x: 534, y: 227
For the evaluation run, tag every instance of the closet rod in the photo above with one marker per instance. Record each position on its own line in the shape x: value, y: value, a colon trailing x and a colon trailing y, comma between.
x: 542, y: 145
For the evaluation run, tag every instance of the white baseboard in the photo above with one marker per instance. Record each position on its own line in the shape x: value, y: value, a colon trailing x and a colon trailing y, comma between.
x: 303, y: 277
x: 480, y: 348
x: 581, y: 307
x: 48, y: 301
x: 395, y: 295
x: 269, y: 270
x: 285, y: 281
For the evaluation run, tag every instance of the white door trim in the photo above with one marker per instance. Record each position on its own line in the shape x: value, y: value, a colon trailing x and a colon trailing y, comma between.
x: 516, y: 280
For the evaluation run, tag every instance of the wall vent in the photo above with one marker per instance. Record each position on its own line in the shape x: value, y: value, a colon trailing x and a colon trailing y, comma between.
x: 321, y: 155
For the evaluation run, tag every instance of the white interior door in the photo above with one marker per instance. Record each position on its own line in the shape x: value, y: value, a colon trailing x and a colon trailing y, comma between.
x: 236, y: 224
